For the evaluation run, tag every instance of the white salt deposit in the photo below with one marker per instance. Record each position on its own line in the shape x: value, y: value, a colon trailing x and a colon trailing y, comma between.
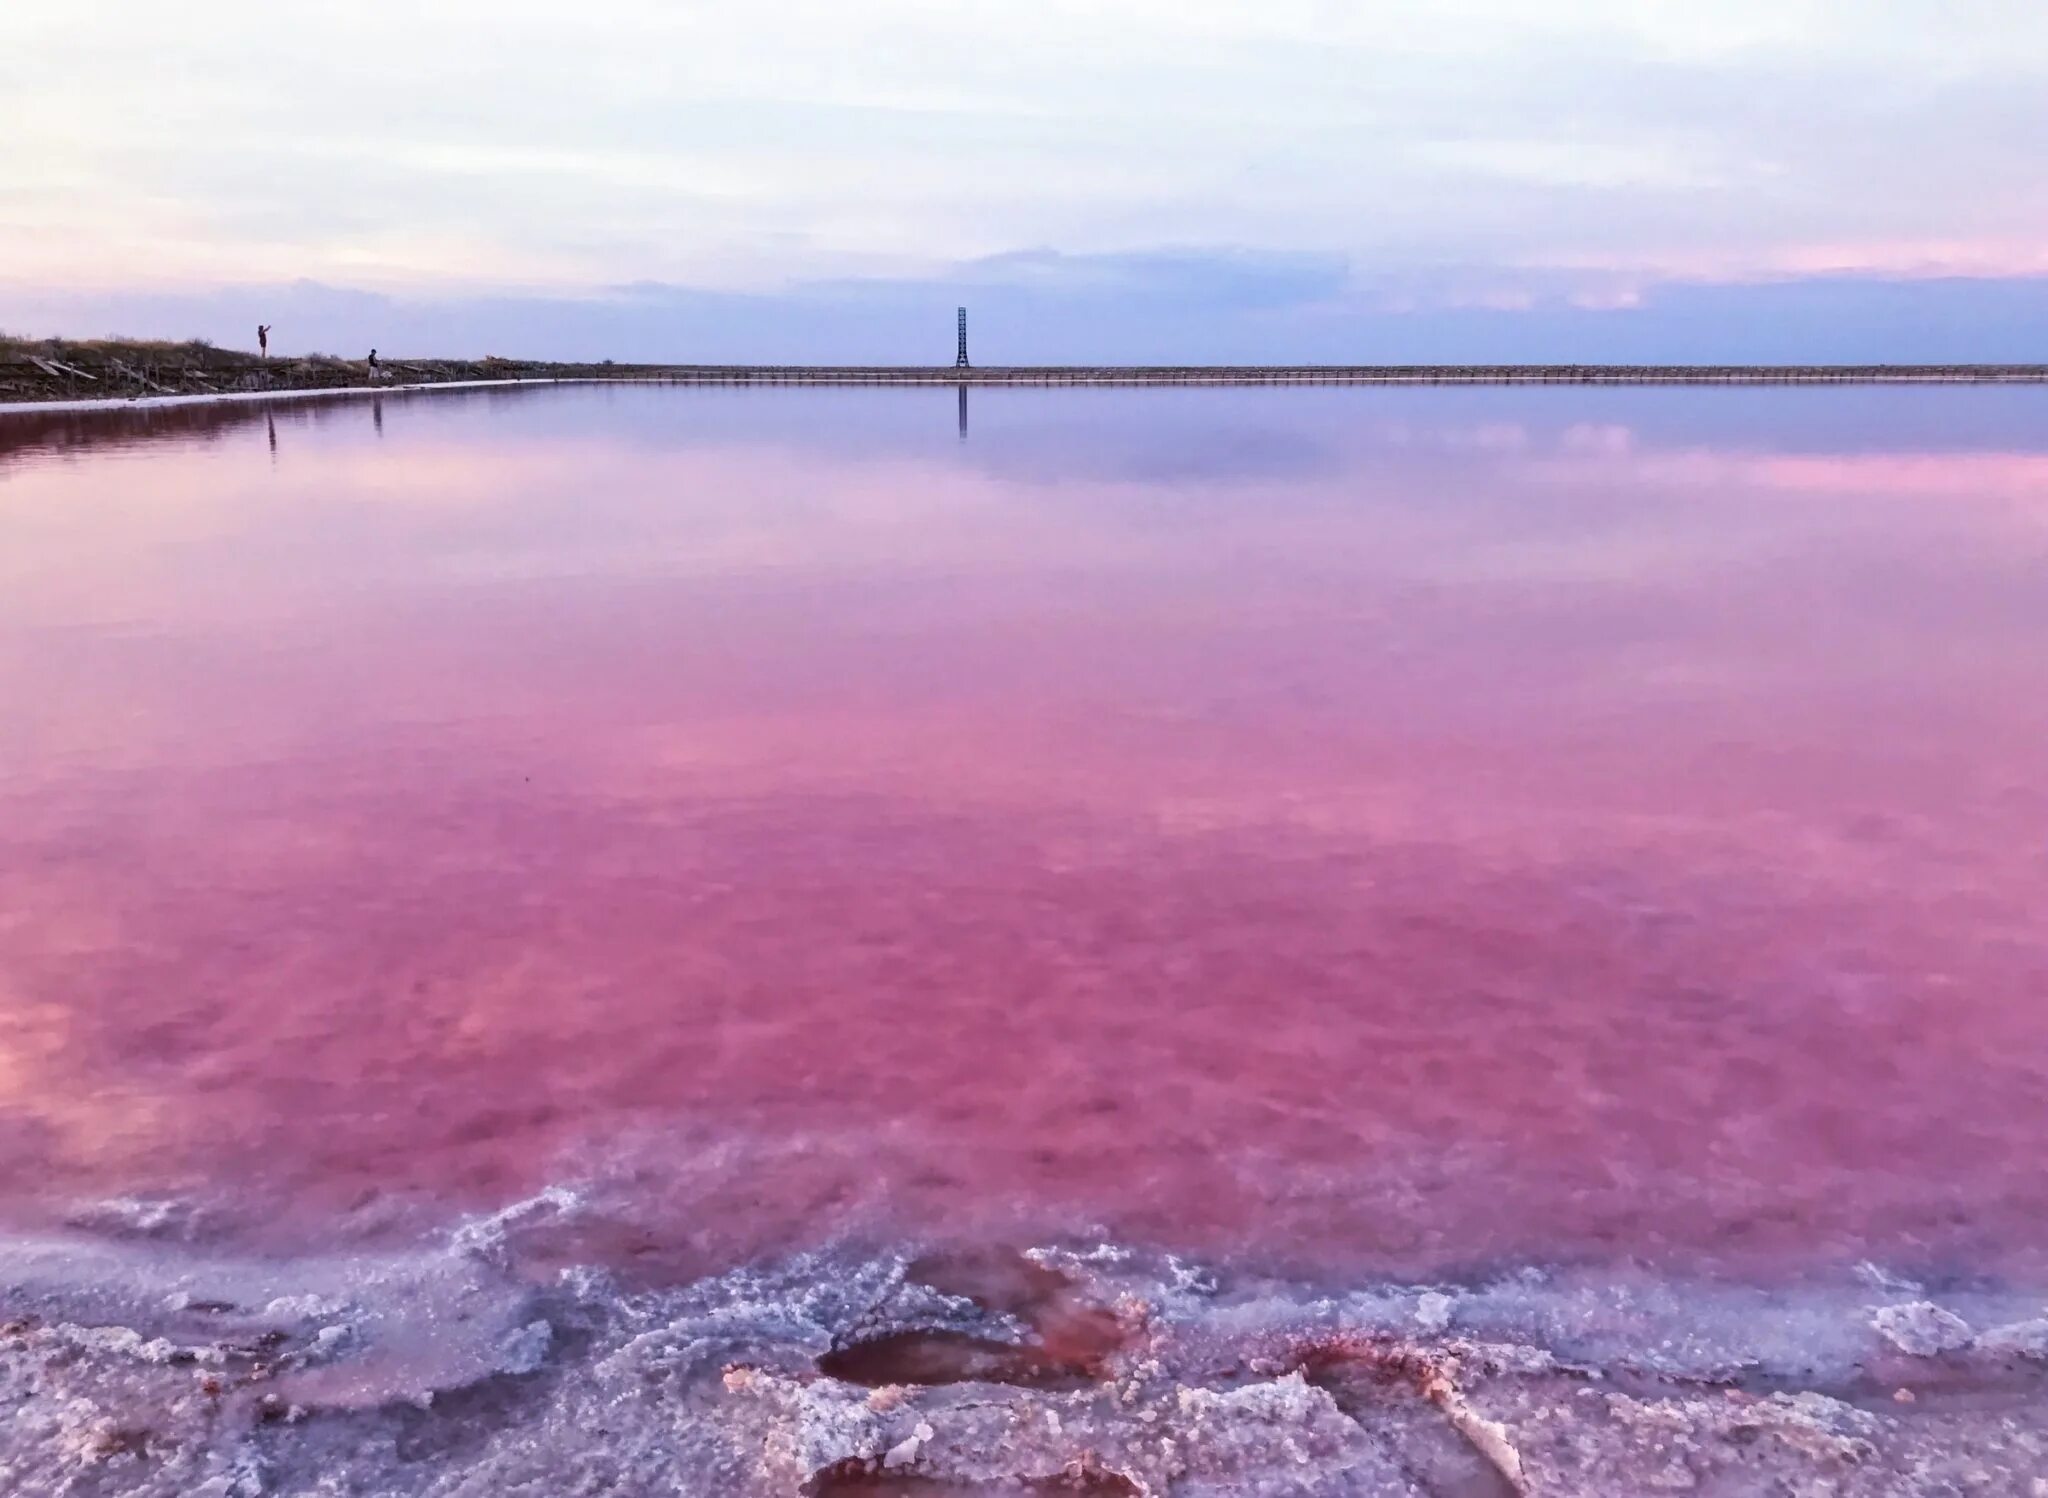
x: 142, y: 1370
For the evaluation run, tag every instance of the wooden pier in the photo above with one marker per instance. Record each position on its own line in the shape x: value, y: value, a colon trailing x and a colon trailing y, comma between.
x: 1351, y: 374
x: 116, y: 373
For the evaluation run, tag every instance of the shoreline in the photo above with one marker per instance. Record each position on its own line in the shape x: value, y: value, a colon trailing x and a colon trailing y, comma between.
x: 241, y: 397
x: 1113, y: 376
x: 148, y: 1363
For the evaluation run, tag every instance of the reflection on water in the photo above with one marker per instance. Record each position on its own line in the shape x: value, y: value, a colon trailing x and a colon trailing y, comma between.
x: 1385, y: 827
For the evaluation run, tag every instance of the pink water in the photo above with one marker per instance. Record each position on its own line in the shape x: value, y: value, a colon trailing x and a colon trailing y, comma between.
x: 1341, y: 828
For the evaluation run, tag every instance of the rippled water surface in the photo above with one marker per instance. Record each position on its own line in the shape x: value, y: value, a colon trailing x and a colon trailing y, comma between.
x: 1342, y: 830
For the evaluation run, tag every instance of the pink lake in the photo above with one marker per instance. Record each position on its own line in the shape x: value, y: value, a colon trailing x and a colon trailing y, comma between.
x: 1350, y: 830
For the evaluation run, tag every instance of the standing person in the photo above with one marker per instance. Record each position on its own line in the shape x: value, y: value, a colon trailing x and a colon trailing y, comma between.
x: 263, y: 339
x: 373, y: 364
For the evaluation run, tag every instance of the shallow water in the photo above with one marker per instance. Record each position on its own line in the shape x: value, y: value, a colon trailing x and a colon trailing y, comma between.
x: 1367, y: 837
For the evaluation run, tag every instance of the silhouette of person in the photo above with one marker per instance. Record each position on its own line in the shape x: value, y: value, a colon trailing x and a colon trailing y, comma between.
x: 374, y: 366
x: 263, y: 339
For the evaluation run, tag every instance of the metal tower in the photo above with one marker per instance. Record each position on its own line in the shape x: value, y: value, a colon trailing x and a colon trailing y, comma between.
x: 960, y: 359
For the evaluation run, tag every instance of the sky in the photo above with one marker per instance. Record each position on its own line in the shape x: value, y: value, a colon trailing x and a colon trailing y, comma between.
x: 1095, y: 179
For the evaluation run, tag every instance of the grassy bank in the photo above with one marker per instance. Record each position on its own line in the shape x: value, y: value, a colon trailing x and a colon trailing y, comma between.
x: 122, y: 368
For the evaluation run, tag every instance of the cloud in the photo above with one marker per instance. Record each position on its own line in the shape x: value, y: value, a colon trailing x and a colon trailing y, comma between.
x: 1179, y: 305
x: 485, y: 148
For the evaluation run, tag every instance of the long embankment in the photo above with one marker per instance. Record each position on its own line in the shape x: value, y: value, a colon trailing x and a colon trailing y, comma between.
x: 118, y: 370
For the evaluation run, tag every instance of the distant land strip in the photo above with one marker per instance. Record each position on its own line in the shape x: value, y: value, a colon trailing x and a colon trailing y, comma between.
x: 103, y: 370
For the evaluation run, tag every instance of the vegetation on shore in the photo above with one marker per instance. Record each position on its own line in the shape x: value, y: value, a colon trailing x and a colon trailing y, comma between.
x: 127, y: 368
